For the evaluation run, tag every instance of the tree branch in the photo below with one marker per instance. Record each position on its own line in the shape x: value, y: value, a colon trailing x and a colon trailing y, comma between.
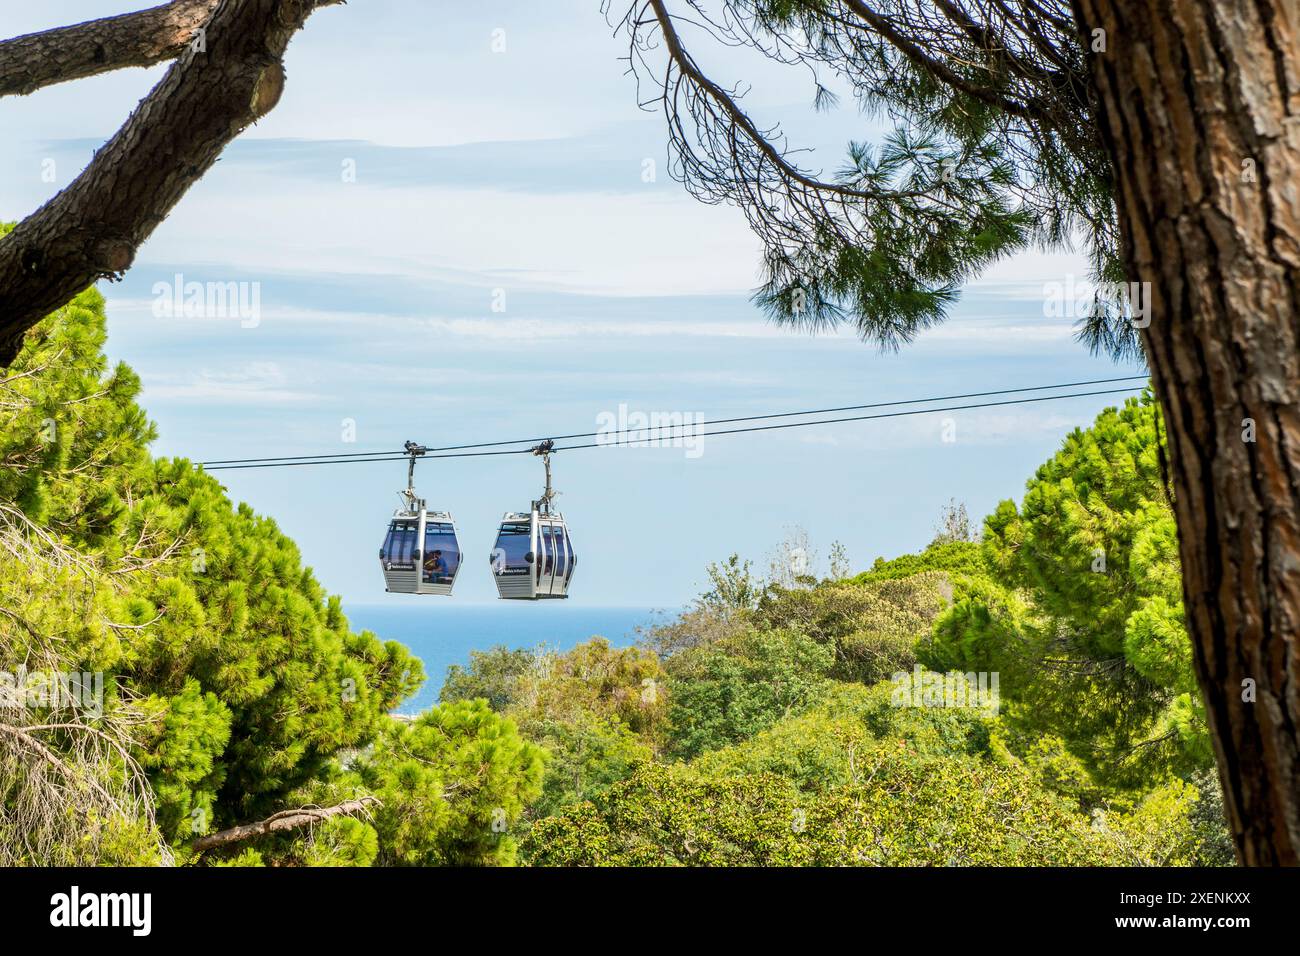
x: 941, y: 71
x: 746, y: 126
x: 284, y: 820
x: 143, y: 38
x: 92, y: 229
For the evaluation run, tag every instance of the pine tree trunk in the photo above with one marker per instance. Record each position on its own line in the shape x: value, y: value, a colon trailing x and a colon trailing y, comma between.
x: 1200, y: 107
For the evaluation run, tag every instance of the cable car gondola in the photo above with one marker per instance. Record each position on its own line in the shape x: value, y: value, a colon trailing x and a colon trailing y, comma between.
x: 533, y: 558
x: 420, y: 553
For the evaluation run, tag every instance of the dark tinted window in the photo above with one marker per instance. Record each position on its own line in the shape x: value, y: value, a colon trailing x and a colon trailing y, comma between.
x: 547, y: 563
x: 557, y: 548
x: 399, y: 545
x: 441, y: 552
x: 513, y: 542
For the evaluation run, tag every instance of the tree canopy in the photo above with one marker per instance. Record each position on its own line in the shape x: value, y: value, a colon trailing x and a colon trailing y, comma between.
x: 232, y: 684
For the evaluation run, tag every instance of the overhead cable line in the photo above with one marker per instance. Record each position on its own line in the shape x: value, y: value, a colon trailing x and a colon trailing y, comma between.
x: 716, y: 421
x: 642, y: 434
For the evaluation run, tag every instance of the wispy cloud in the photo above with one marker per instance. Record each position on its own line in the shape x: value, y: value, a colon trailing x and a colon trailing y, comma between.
x: 535, y: 329
x: 252, y: 383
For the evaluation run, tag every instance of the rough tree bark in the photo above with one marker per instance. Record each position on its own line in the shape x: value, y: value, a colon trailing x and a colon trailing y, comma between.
x: 92, y: 229
x: 1200, y: 108
x: 143, y: 38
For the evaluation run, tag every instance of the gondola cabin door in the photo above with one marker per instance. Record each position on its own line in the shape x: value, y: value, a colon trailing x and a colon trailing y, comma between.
x: 553, y: 580
x: 514, y: 565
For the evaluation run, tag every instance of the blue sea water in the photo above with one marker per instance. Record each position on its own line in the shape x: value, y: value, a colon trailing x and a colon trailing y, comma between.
x: 442, y: 634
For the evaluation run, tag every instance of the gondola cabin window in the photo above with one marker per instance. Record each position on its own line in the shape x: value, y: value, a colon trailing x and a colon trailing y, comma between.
x: 441, y: 553
x: 398, y: 552
x: 514, y: 542
x: 557, y: 549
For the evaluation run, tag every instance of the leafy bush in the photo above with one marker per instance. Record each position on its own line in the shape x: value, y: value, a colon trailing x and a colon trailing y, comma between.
x: 495, y: 675
x: 451, y: 782
x: 730, y: 690
x: 871, y: 628
x: 829, y: 744
x: 952, y: 557
x: 596, y: 710
x: 907, y: 810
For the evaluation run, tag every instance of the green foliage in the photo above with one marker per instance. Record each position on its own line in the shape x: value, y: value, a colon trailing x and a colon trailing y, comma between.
x: 249, y: 857
x: 1099, y: 499
x: 596, y: 710
x: 1081, y: 610
x: 827, y: 745
x: 69, y: 421
x: 1214, y: 842
x: 1160, y: 830
x: 670, y: 816
x: 1098, y: 737
x: 871, y: 627
x: 452, y: 782
x: 734, y: 587
x: 595, y: 678
x: 695, y: 627
x: 233, y: 679
x: 342, y: 841
x: 587, y: 753
x: 258, y: 632
x: 184, y: 759
x: 906, y: 810
x: 954, y: 557
x: 994, y: 148
x: 980, y: 631
x: 494, y: 675
x: 732, y: 689
x: 899, y: 267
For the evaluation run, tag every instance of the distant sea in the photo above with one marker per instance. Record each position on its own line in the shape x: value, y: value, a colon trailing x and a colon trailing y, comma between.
x: 442, y: 634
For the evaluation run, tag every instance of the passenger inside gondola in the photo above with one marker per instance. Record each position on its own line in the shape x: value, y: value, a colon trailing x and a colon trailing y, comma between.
x: 435, y: 568
x: 441, y: 553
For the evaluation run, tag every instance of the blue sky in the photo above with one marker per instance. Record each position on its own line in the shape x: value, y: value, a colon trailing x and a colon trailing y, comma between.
x: 484, y: 177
